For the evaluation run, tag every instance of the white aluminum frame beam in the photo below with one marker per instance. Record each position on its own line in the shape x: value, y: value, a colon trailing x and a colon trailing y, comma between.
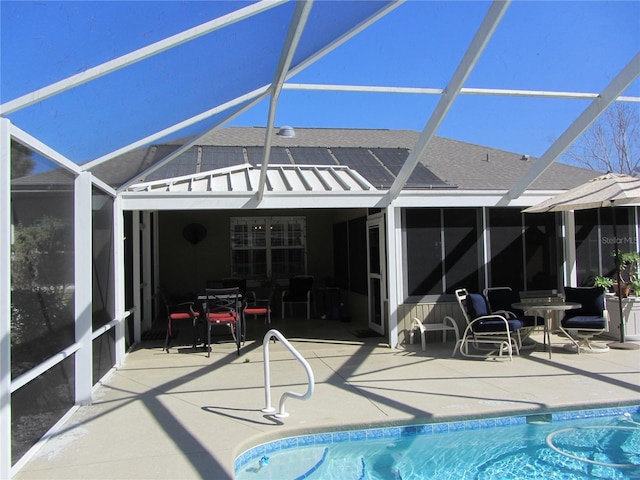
x: 476, y: 47
x: 147, y: 280
x: 83, y: 232
x: 137, y: 55
x: 188, y: 145
x: 5, y: 299
x: 298, y: 22
x: 36, y: 145
x: 119, y: 280
x: 258, y: 95
x: 609, y: 95
x: 394, y: 273
x: 255, y: 97
x: 497, y: 92
x: 136, y: 280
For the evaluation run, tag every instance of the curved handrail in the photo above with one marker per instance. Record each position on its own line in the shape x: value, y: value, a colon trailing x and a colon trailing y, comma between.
x: 267, y: 377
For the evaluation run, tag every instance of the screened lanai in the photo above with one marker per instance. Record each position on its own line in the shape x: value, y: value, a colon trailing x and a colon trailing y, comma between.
x: 88, y: 89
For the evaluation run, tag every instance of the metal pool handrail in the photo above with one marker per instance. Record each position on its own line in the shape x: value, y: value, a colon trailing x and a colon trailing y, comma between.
x: 267, y: 376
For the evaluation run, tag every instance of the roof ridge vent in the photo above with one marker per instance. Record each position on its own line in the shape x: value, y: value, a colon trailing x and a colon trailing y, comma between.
x: 286, y: 131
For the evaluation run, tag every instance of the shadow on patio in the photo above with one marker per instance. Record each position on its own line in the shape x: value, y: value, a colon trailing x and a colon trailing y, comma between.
x: 182, y: 415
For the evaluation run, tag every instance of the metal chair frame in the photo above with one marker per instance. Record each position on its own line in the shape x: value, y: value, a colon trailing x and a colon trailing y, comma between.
x: 502, y: 340
x: 223, y: 307
x: 178, y: 312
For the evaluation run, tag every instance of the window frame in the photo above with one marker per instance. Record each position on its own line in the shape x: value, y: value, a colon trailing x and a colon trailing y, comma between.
x: 293, y: 238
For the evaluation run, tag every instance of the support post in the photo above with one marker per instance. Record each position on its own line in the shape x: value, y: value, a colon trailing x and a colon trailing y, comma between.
x: 82, y: 230
x: 5, y: 299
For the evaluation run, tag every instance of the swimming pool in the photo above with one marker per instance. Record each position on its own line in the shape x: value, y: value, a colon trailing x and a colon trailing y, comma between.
x: 586, y: 444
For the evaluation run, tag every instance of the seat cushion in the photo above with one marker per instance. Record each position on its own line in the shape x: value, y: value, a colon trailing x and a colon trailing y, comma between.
x: 487, y: 326
x: 221, y: 317
x: 256, y: 310
x: 584, y: 322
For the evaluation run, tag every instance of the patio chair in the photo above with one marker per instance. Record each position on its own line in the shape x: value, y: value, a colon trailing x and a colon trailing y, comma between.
x: 300, y: 290
x: 258, y: 306
x: 486, y: 328
x: 223, y: 307
x: 582, y: 324
x: 501, y: 300
x: 179, y: 312
x: 239, y: 282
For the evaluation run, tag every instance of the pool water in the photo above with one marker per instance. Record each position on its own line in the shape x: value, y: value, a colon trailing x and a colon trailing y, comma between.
x: 596, y: 444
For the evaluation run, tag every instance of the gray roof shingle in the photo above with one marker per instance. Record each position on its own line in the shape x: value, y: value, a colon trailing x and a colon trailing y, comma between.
x: 448, y: 162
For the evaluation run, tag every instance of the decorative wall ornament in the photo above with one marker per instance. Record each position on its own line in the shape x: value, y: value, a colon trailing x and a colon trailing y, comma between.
x: 194, y: 233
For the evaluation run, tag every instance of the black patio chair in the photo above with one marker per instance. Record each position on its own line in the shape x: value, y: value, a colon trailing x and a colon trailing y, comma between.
x: 501, y: 300
x: 582, y: 324
x: 300, y: 290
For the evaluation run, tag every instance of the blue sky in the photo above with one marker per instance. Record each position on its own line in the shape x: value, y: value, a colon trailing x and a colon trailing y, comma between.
x: 566, y: 46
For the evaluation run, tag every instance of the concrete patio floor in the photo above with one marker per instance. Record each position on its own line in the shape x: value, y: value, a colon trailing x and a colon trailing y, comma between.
x: 183, y: 415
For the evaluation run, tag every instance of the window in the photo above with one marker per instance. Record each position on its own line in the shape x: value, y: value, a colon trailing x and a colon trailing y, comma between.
x: 268, y: 246
x: 595, y: 242
x: 445, y: 250
x: 442, y: 250
x: 523, y: 250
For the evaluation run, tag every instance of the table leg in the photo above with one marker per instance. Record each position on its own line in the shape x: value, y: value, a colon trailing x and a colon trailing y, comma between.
x: 546, y: 335
x: 547, y: 331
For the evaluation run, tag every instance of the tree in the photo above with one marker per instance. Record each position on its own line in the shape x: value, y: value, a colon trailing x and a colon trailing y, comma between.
x: 612, y: 143
x: 22, y: 162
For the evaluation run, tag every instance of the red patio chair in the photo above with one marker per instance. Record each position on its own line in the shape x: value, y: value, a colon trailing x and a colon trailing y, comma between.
x: 179, y: 312
x: 222, y: 307
x: 258, y: 306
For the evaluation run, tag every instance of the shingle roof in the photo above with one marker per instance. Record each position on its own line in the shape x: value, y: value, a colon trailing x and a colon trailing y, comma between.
x: 375, y: 154
x: 466, y: 165
x: 477, y: 167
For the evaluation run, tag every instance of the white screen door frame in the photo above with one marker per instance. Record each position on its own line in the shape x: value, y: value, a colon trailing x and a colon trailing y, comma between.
x: 376, y: 273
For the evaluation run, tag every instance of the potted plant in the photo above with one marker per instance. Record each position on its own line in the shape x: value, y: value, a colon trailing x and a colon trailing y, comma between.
x: 602, y: 281
x: 630, y: 276
x: 629, y: 268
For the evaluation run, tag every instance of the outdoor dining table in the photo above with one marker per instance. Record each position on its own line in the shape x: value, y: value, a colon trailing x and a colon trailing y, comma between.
x: 545, y: 309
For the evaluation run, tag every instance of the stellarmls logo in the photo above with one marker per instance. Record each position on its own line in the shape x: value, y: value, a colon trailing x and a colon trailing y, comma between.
x: 618, y: 240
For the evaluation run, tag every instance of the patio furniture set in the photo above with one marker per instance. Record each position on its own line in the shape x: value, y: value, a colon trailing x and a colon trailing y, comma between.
x: 499, y: 323
x: 227, y: 303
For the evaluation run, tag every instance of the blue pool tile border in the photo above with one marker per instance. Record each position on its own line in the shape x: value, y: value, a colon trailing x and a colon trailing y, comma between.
x: 328, y: 438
